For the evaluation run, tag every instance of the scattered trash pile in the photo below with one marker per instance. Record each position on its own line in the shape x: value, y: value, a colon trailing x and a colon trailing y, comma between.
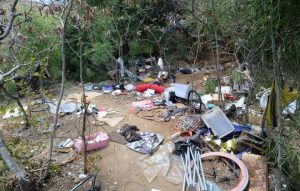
x: 212, y: 148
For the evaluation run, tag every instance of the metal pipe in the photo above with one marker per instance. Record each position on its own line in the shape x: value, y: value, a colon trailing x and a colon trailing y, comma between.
x: 199, y: 177
x: 183, y: 184
x: 184, y: 168
x: 194, y: 173
x: 202, y: 172
x: 189, y: 166
x: 187, y: 169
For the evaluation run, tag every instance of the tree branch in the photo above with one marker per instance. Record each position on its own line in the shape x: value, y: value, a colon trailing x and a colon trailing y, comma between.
x: 11, y: 17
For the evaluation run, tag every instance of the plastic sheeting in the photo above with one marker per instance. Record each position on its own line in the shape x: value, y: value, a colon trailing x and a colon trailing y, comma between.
x: 162, y: 163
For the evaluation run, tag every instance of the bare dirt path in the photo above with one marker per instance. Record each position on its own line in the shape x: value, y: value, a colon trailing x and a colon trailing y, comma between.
x: 118, y: 164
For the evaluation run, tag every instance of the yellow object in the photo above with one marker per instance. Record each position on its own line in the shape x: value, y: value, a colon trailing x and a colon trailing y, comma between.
x: 271, y: 113
x: 228, y: 146
x: 147, y: 80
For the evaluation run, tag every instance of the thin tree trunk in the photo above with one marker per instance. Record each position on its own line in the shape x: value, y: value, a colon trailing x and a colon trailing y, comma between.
x: 218, y: 71
x: 278, y: 185
x: 84, y: 102
x: 63, y: 77
x: 24, y: 179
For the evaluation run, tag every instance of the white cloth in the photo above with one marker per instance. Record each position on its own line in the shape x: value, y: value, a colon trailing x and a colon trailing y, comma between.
x: 160, y: 63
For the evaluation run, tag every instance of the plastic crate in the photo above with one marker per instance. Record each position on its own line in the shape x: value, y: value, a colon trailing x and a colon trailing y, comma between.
x: 217, y: 121
x: 95, y: 141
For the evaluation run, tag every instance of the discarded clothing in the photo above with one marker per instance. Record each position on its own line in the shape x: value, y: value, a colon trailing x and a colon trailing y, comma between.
x: 144, y: 87
x: 107, y: 89
x: 160, y: 63
x: 129, y: 87
x: 239, y: 128
x: 149, y: 93
x: 129, y: 132
x: 148, y: 143
x: 173, y: 112
x: 158, y: 102
x: 163, y: 74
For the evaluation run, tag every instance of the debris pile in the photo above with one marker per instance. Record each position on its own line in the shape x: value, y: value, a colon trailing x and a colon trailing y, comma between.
x: 211, y: 147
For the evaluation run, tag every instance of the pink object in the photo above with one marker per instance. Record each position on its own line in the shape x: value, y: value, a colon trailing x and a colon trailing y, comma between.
x: 144, y: 87
x: 144, y: 105
x: 94, y: 141
x: 102, y: 109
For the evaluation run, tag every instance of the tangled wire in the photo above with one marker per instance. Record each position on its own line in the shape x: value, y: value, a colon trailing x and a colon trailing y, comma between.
x: 188, y: 123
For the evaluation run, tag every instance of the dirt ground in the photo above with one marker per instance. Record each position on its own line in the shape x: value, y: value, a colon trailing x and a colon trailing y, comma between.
x: 116, y: 164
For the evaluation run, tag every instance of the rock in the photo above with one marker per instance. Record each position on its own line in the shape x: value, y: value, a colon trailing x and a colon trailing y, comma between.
x: 258, y: 171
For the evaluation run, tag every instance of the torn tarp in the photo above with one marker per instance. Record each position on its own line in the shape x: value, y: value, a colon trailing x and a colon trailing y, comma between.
x: 271, y: 114
x: 148, y: 142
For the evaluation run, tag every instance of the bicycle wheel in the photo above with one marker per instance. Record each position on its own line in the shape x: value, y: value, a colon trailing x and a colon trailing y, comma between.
x: 194, y: 100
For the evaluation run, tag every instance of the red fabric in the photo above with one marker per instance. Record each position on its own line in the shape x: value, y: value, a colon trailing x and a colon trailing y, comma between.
x: 144, y: 87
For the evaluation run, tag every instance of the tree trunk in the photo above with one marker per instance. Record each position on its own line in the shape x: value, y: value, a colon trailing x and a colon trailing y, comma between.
x: 278, y: 107
x: 63, y: 77
x: 84, y: 103
x: 24, y: 179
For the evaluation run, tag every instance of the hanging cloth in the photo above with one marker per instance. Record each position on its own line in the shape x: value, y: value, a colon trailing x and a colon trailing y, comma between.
x: 271, y: 114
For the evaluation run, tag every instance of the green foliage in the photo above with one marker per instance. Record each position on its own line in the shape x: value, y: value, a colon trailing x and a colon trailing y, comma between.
x: 22, y: 150
x: 11, y: 87
x: 42, y: 43
x: 3, y: 167
x: 236, y: 76
x: 53, y: 168
x: 210, y: 85
x: 140, y: 47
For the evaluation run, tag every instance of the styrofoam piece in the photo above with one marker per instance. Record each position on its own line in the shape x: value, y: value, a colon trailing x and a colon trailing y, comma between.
x: 240, y: 103
x: 224, y: 89
x: 182, y: 90
x: 217, y: 121
x: 206, y: 98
